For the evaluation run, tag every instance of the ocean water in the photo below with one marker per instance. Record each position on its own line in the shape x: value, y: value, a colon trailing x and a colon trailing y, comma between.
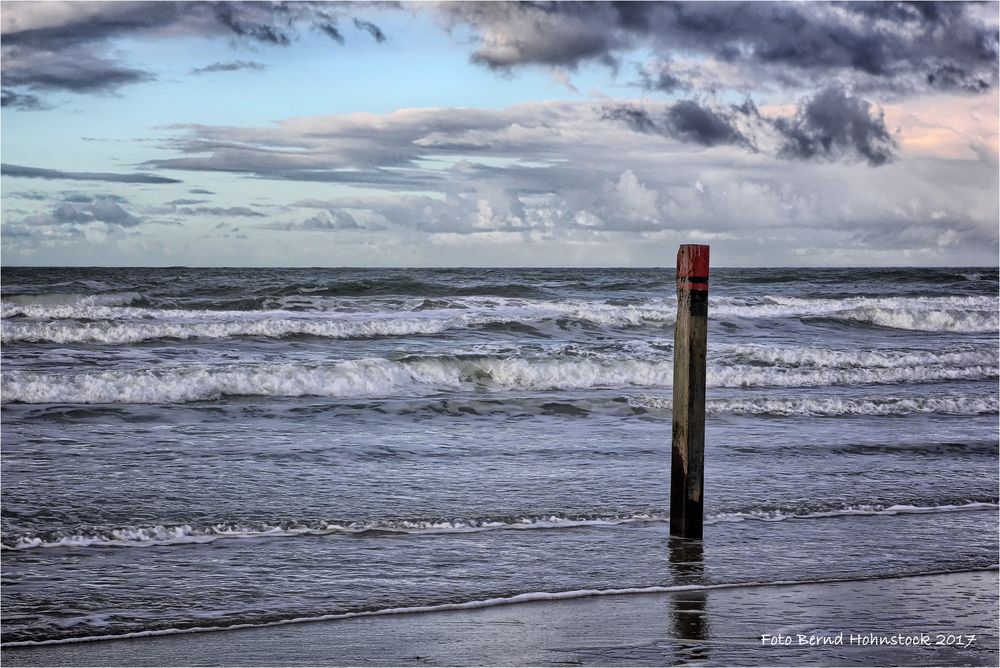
x: 191, y: 449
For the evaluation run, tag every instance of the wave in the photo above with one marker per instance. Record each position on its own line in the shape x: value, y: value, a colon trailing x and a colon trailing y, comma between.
x: 102, y: 319
x: 403, y: 286
x: 20, y: 304
x: 418, y: 375
x: 926, y: 320
x: 526, y: 597
x: 90, y: 323
x: 928, y: 314
x: 832, y: 407
x: 183, y: 534
x: 827, y: 358
x: 366, y: 377
x: 781, y: 514
x: 116, y: 333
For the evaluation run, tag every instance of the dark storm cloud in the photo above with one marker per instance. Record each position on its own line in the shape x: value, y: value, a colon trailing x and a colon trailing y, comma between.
x: 79, y: 23
x: 943, y: 45
x: 545, y: 33
x: 69, y: 49
x: 686, y: 121
x: 79, y: 69
x: 371, y: 28
x: 37, y: 173
x: 829, y: 126
x: 230, y: 66
x: 636, y: 118
x: 691, y: 122
x: 832, y: 124
x: 24, y: 101
x: 330, y: 30
x: 232, y: 17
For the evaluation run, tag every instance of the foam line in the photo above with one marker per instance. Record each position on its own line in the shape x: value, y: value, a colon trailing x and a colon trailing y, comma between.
x: 528, y: 597
x: 160, y: 535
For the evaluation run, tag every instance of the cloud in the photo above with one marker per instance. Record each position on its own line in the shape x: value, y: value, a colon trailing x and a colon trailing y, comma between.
x: 636, y: 171
x: 85, y: 198
x: 100, y: 210
x: 325, y: 221
x: 832, y: 124
x: 914, y: 46
x: 371, y: 29
x: 229, y: 66
x: 220, y: 211
x: 23, y: 101
x: 74, y: 68
x: 514, y: 33
x: 686, y: 121
x: 391, y: 150
x: 661, y: 76
x: 185, y: 202
x: 67, y: 46
x: 330, y: 29
x: 37, y: 173
x: 690, y: 121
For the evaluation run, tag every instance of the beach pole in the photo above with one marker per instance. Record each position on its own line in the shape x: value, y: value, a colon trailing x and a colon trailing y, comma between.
x: 687, y: 479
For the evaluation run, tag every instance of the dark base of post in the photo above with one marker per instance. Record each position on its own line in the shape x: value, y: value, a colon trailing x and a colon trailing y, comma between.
x: 686, y: 519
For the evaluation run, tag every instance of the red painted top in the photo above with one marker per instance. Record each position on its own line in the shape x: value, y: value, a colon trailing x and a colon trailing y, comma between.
x: 692, y: 267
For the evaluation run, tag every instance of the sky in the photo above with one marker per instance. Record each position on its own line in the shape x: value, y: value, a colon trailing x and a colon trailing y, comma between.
x: 490, y: 134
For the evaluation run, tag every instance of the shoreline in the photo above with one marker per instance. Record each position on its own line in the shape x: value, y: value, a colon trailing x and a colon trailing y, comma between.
x: 714, y: 624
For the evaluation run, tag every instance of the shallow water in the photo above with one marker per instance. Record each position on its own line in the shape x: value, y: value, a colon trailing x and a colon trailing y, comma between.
x: 186, y: 448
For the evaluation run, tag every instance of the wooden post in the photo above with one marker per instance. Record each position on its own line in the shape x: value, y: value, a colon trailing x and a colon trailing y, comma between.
x: 687, y: 479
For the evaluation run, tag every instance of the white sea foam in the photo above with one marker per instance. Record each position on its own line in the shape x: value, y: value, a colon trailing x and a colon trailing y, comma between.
x: 945, y: 314
x: 826, y: 358
x: 926, y: 320
x: 118, y: 332
x: 101, y: 318
x: 160, y: 535
x: 783, y: 377
x: 184, y: 534
x: 43, y: 303
x: 835, y: 406
x: 860, y: 509
x: 362, y: 378
x: 381, y: 377
x: 88, y: 323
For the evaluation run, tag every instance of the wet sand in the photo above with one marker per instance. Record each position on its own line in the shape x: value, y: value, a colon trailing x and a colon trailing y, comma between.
x: 706, y: 627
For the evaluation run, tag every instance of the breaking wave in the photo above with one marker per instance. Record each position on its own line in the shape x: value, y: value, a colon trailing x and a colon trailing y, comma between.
x: 833, y: 406
x: 182, y: 534
x: 274, y: 328
x: 21, y: 304
x: 826, y: 358
x: 928, y: 314
x: 101, y: 319
x: 373, y: 377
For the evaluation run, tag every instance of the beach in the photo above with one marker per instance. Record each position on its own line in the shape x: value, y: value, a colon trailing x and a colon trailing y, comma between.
x: 700, y: 627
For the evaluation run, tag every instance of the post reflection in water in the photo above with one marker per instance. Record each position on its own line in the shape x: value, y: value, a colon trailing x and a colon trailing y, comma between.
x: 689, y: 622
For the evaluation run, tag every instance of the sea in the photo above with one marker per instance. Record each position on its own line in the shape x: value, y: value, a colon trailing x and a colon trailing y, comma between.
x: 188, y: 450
